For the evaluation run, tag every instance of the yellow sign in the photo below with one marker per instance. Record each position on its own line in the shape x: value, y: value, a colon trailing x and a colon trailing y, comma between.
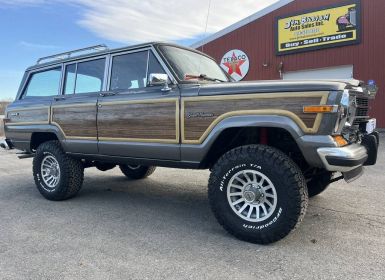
x: 331, y: 26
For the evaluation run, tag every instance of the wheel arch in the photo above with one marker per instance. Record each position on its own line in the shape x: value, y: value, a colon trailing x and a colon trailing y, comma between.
x: 234, y: 129
x: 40, y: 136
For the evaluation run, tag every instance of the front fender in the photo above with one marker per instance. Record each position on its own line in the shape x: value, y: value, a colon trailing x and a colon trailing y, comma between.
x: 197, y: 152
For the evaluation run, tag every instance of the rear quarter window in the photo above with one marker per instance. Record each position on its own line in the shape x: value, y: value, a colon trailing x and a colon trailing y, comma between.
x: 43, y: 83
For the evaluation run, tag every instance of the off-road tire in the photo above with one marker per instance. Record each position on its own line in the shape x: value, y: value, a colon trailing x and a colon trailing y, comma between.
x: 319, y: 183
x: 140, y: 172
x: 71, y: 172
x: 287, y: 178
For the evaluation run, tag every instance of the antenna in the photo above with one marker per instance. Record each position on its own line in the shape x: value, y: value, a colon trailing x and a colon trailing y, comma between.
x: 207, y: 22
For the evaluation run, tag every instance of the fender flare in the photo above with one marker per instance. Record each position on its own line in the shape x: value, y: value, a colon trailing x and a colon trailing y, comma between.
x: 197, y: 152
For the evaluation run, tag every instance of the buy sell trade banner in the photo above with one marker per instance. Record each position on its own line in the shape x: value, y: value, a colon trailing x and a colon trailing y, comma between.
x: 322, y: 28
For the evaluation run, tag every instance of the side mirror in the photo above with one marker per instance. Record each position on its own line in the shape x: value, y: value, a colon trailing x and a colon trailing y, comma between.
x: 158, y: 79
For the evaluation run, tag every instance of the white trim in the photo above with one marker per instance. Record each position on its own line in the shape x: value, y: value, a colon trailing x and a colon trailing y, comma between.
x: 340, y: 72
x: 242, y: 22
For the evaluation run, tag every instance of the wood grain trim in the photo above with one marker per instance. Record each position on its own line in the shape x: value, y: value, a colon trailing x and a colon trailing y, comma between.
x: 29, y: 109
x: 322, y: 95
x: 175, y: 140
x: 60, y: 128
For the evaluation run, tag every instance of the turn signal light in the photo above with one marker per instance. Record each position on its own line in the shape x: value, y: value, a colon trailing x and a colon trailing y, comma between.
x: 340, y: 140
x: 320, y: 109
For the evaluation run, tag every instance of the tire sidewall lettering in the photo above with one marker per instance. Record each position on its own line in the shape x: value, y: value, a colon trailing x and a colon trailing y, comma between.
x: 265, y: 225
x: 38, y: 174
x: 257, y: 226
x: 233, y: 170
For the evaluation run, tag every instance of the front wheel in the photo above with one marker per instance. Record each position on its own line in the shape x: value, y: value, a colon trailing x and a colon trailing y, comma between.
x: 136, y: 172
x: 57, y: 176
x: 257, y: 193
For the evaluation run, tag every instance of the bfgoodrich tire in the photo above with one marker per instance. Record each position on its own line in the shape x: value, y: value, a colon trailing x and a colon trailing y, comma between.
x: 265, y: 180
x: 319, y: 183
x: 57, y: 176
x: 136, y: 172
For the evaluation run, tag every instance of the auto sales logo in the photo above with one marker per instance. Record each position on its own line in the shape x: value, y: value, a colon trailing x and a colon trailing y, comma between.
x: 236, y: 64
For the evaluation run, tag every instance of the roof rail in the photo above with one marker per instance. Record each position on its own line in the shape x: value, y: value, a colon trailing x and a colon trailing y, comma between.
x: 64, y: 55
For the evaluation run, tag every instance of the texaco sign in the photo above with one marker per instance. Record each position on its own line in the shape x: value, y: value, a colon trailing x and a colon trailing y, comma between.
x: 236, y: 64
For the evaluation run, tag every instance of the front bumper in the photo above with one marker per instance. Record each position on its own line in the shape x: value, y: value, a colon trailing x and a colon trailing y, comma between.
x: 350, y: 157
x: 343, y: 159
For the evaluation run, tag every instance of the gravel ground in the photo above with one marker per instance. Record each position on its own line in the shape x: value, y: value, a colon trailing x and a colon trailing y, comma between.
x: 162, y: 228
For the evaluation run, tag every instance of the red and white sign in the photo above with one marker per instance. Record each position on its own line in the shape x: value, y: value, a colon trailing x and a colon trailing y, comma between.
x: 236, y: 64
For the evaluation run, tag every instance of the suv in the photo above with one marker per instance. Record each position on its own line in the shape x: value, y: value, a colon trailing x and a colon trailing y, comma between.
x: 269, y: 144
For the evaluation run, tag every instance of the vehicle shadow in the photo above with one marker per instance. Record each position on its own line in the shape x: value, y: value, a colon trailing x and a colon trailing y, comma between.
x: 158, y: 204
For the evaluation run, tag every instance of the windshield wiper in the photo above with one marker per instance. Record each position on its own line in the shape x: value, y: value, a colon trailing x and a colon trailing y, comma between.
x: 203, y: 77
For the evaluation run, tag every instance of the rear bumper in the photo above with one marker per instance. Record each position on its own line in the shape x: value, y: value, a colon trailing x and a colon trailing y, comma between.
x: 351, y: 157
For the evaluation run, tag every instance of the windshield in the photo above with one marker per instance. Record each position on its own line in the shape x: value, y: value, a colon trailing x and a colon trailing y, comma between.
x: 188, y: 63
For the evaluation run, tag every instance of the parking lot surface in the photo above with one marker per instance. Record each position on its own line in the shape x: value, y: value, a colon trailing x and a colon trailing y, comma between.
x: 162, y: 228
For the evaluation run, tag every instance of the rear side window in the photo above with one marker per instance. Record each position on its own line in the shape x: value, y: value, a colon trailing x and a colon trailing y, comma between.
x: 45, y: 83
x: 84, y: 77
x: 129, y: 71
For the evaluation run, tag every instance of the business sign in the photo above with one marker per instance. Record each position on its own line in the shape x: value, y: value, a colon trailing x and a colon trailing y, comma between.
x: 322, y: 28
x: 236, y: 64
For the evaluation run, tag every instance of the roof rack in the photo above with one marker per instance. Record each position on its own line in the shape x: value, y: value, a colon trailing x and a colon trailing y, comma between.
x: 65, y: 55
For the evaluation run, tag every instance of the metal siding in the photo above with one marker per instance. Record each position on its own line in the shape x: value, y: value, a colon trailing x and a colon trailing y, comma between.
x: 257, y: 39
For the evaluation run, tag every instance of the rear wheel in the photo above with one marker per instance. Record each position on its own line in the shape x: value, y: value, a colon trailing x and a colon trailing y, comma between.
x: 257, y: 193
x: 57, y: 176
x: 137, y: 171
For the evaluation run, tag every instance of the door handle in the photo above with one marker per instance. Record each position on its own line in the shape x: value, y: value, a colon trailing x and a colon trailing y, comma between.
x: 59, y: 98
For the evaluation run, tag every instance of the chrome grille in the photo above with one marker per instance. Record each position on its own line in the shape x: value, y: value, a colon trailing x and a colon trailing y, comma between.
x: 362, y: 112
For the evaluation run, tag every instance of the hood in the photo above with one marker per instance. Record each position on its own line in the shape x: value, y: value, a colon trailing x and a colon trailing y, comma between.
x: 273, y: 86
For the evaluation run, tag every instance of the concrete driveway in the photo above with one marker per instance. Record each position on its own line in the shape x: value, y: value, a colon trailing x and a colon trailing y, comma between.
x: 162, y: 228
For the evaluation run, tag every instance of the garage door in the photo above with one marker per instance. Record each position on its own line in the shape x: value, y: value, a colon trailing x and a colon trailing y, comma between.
x: 340, y: 73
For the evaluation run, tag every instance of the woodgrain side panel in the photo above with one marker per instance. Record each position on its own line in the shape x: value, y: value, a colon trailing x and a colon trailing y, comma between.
x: 76, y: 121
x: 30, y: 115
x: 199, y: 116
x: 144, y: 122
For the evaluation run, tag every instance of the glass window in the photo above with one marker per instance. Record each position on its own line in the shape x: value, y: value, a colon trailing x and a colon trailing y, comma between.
x: 70, y: 78
x: 154, y: 65
x: 85, y: 76
x: 44, y: 83
x: 186, y: 62
x: 90, y: 76
x: 129, y: 71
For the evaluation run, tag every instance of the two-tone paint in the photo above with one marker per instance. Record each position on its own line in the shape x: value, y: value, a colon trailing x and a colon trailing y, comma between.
x: 172, y: 127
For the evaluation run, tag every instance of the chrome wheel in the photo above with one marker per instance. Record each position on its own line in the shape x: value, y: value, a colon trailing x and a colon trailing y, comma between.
x: 50, y: 171
x: 251, y: 195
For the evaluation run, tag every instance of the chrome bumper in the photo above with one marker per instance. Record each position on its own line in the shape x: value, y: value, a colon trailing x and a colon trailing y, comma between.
x: 343, y: 159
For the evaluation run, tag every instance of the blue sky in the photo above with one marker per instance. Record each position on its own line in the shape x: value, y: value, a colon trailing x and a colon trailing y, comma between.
x: 34, y: 28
